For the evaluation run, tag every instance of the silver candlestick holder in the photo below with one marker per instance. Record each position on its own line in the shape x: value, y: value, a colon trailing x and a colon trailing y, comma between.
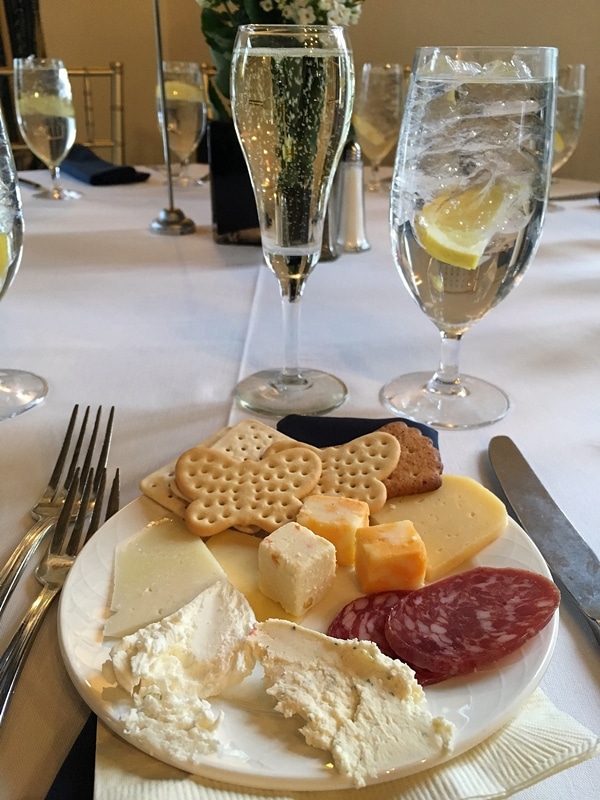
x: 171, y: 221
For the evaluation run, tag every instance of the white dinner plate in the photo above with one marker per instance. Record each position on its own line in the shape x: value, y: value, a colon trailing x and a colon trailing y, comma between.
x: 266, y: 750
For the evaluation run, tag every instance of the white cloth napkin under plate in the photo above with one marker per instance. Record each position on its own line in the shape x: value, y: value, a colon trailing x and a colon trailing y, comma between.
x: 539, y: 742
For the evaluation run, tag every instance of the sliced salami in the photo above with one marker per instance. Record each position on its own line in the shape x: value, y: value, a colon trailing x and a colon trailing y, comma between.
x: 467, y: 621
x: 364, y: 618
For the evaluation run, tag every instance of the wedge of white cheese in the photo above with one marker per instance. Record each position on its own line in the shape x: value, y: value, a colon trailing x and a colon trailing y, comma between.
x: 169, y: 669
x: 364, y: 708
x: 159, y: 569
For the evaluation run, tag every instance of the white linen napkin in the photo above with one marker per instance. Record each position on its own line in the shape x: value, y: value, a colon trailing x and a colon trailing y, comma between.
x: 538, y: 743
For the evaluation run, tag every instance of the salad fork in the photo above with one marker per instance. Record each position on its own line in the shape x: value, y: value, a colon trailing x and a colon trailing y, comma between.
x: 49, y: 505
x: 67, y: 540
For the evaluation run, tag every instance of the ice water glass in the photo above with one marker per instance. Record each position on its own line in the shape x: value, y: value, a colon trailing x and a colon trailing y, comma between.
x: 469, y: 195
x: 46, y: 116
x: 570, y: 102
x: 377, y: 114
x: 19, y: 390
x: 185, y: 116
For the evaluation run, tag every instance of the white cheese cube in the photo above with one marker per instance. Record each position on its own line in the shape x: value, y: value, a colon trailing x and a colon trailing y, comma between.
x: 296, y: 568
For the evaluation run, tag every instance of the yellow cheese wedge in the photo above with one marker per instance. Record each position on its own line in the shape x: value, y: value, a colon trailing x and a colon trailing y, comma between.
x: 455, y: 521
x: 158, y: 570
x: 390, y: 556
x: 237, y: 553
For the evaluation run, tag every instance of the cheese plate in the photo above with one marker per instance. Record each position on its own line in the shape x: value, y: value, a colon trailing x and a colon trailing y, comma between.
x: 260, y: 748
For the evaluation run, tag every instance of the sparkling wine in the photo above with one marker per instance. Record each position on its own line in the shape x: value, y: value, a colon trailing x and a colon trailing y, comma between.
x: 292, y: 119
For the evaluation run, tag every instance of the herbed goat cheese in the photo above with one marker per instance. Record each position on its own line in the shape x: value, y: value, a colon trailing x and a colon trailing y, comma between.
x: 364, y: 708
x: 170, y: 667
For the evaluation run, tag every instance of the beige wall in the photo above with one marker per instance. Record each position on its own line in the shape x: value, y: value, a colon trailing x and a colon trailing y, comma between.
x: 86, y: 33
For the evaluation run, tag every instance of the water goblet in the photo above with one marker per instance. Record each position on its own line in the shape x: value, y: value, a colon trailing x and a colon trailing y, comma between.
x: 377, y: 114
x: 469, y: 195
x: 185, y: 116
x: 46, y: 116
x: 292, y: 90
x: 19, y: 390
x: 570, y: 102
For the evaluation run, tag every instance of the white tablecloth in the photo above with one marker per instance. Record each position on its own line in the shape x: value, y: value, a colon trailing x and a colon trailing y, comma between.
x: 163, y: 327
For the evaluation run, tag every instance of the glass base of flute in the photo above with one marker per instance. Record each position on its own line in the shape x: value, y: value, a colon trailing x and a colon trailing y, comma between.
x: 292, y: 389
x: 446, y: 399
x: 20, y: 391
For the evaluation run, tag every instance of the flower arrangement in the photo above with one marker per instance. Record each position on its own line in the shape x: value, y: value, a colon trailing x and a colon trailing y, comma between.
x: 220, y: 20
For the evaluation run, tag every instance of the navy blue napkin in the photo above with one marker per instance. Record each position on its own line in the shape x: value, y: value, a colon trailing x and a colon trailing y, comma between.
x: 84, y: 165
x: 75, y: 779
x: 330, y: 431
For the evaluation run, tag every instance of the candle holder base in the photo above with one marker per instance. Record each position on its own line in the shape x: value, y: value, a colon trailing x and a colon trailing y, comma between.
x: 172, y: 222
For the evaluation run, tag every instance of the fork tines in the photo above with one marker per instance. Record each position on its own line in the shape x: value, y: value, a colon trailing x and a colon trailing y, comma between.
x: 55, y: 481
x: 83, y: 485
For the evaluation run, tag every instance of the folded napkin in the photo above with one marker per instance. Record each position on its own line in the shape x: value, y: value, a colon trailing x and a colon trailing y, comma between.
x: 538, y: 743
x: 84, y: 165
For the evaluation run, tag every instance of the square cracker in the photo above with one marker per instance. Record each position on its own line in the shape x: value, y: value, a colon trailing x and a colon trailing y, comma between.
x: 161, y: 487
x: 249, y: 439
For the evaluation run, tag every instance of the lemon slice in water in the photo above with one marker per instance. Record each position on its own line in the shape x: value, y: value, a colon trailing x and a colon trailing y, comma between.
x: 559, y: 144
x: 5, y: 256
x: 455, y: 228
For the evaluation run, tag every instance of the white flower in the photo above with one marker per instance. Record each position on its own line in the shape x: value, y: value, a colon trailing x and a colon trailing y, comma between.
x: 266, y: 5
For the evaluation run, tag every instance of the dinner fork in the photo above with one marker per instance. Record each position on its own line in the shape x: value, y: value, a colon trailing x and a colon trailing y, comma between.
x: 48, y: 507
x: 67, y: 540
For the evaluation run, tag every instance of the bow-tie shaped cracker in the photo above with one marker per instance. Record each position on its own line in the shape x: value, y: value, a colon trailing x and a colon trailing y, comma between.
x: 224, y: 491
x: 355, y: 469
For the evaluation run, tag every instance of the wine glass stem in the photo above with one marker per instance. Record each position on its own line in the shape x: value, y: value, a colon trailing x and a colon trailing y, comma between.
x: 446, y: 380
x: 374, y: 182
x: 291, y: 328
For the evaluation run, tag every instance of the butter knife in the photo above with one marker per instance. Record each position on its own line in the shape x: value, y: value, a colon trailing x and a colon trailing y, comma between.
x: 572, y: 562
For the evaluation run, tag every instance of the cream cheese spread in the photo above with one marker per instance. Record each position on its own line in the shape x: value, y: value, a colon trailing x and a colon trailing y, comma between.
x: 361, y: 706
x: 169, y: 668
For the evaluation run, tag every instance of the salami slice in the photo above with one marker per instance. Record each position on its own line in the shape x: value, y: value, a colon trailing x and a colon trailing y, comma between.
x: 364, y: 618
x: 467, y: 621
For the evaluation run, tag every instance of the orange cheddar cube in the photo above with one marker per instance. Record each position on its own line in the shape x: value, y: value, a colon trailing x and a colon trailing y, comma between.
x: 390, y: 556
x: 336, y: 519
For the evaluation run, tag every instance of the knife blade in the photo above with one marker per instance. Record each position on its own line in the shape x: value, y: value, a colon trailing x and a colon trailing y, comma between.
x: 570, y: 559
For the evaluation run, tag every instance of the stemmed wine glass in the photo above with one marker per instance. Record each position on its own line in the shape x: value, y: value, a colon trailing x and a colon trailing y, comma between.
x: 19, y: 390
x: 186, y: 113
x: 292, y: 91
x: 377, y: 114
x: 46, y: 116
x: 570, y: 102
x: 469, y: 196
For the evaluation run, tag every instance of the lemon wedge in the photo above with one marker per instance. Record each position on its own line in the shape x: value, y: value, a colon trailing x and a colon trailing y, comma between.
x: 455, y: 228
x: 177, y: 90
x: 5, y: 256
x: 368, y: 131
x: 559, y: 144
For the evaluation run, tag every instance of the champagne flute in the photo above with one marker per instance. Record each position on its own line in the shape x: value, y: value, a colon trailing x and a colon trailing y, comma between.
x: 377, y: 114
x: 291, y: 92
x: 185, y: 113
x: 469, y: 196
x: 570, y: 101
x: 19, y: 390
x: 46, y: 116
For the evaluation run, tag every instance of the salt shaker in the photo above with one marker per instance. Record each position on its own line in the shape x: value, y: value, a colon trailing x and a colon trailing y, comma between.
x: 351, y: 236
